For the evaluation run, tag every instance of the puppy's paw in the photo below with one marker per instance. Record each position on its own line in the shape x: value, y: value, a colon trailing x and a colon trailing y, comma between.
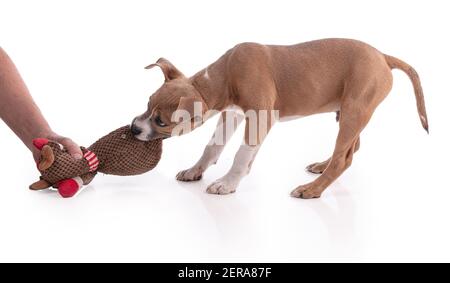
x: 222, y: 187
x: 317, y: 168
x: 307, y: 191
x: 189, y: 175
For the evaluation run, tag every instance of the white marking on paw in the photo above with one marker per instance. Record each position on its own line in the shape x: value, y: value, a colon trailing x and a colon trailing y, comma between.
x: 241, y: 167
x: 192, y: 174
x: 222, y: 186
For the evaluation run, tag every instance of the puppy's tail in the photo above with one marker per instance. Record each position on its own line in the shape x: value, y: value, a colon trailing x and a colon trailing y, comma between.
x: 395, y: 63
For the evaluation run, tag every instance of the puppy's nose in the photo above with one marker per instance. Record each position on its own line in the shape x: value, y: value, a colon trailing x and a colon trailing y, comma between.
x: 135, y: 130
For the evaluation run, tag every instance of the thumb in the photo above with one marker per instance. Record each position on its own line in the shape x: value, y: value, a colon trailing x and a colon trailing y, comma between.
x: 71, y: 147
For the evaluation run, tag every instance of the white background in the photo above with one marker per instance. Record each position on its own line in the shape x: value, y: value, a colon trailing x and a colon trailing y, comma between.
x: 84, y: 64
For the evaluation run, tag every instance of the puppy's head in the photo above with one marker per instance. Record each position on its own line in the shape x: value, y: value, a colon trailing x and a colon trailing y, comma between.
x: 175, y: 105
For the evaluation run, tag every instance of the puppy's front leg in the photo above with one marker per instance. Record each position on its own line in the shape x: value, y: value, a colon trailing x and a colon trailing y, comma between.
x: 255, y: 131
x: 226, y: 126
x: 241, y: 167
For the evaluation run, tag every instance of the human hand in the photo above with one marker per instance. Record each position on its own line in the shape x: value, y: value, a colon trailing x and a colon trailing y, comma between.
x: 67, y: 143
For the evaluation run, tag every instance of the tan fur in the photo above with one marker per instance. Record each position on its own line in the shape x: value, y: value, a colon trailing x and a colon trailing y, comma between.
x: 344, y: 76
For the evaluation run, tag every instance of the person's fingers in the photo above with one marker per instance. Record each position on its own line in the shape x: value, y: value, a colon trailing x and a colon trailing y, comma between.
x: 71, y: 147
x: 67, y: 143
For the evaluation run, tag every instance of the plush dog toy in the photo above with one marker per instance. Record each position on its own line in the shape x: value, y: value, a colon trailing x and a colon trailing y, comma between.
x: 118, y: 153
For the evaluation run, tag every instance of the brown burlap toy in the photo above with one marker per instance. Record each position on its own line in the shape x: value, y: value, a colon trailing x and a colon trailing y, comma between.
x: 117, y: 153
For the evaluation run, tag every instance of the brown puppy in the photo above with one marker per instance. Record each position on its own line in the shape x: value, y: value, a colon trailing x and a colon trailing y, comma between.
x: 344, y: 76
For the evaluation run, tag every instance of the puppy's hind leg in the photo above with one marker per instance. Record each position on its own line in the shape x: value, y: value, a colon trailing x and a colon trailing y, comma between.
x: 342, y: 158
x: 356, y: 110
x: 226, y: 126
x: 319, y: 167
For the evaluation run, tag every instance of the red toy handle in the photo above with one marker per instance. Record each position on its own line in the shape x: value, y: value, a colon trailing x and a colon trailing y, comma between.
x: 40, y: 142
x: 68, y: 188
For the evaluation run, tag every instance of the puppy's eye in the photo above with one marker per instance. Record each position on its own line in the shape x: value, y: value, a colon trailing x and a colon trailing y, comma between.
x: 159, y: 122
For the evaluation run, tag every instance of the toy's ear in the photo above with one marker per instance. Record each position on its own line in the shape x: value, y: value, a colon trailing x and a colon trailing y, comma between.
x: 169, y: 70
x: 47, y: 158
x: 40, y: 185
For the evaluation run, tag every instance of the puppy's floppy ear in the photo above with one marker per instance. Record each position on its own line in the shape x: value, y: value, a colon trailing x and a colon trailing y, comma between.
x: 169, y: 70
x: 194, y: 105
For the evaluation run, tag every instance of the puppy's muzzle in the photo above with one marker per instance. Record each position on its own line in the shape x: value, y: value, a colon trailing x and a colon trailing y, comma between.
x: 141, y: 129
x: 135, y: 130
